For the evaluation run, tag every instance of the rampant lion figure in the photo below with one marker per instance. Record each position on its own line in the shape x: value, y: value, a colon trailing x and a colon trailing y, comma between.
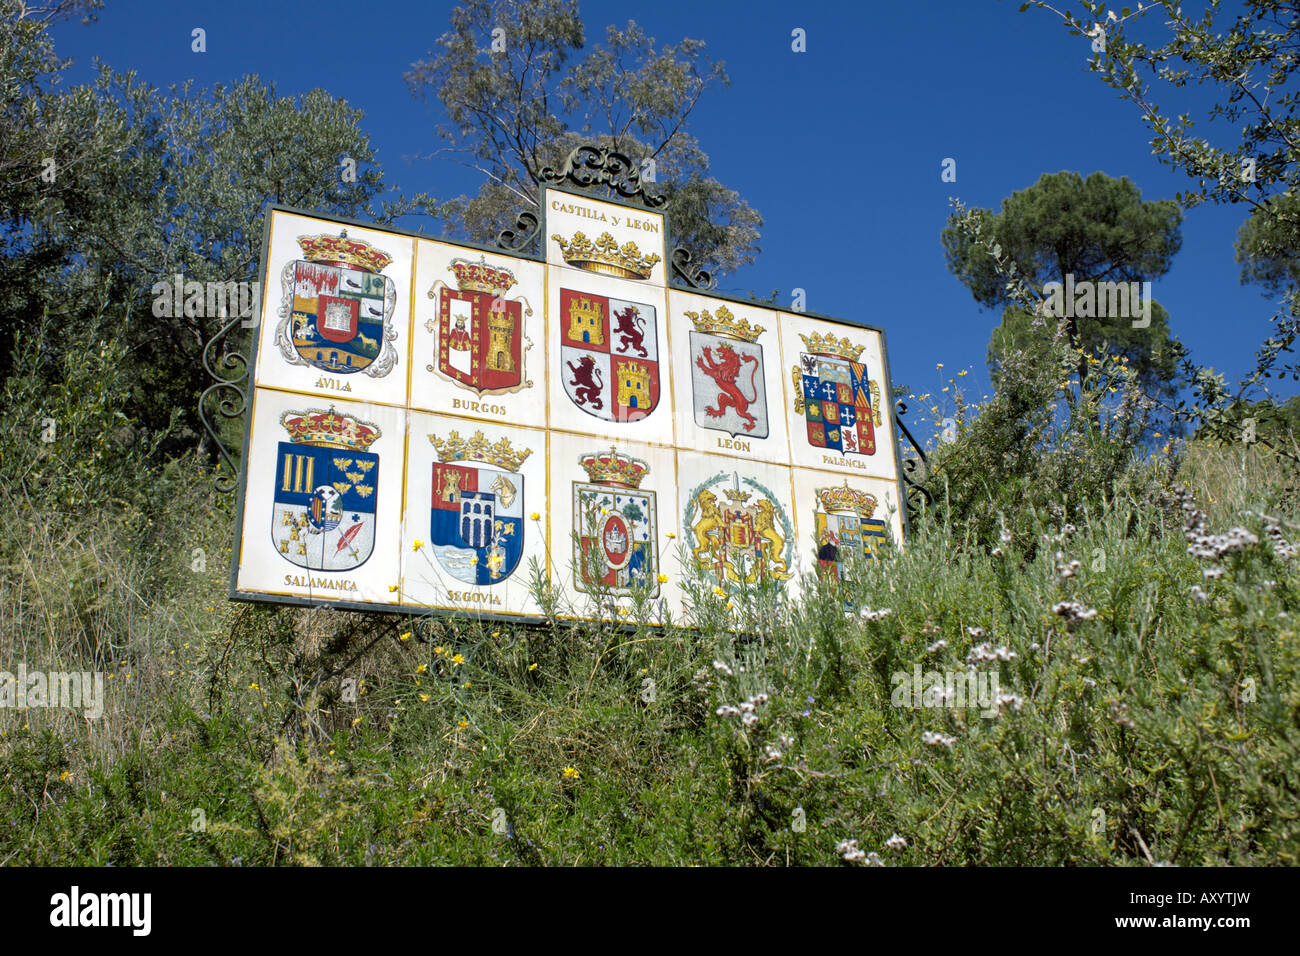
x: 724, y: 374
x: 588, y: 382
x: 710, y: 523
x: 632, y: 328
x: 774, y: 543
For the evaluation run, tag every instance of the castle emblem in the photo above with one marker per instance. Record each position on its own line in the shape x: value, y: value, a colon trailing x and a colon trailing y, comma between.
x: 844, y: 527
x: 739, y: 535
x: 336, y: 313
x: 323, y: 510
x: 479, y: 334
x: 614, y: 520
x: 476, y: 518
x: 609, y: 359
x: 840, y: 405
x: 727, y: 374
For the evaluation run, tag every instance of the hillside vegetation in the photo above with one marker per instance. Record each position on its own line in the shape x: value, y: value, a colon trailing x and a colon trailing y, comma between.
x: 1145, y: 652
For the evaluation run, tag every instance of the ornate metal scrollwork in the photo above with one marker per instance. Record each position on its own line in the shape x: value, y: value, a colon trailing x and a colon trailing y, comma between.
x: 692, y: 275
x: 590, y: 165
x: 229, y: 376
x: 915, y: 483
x: 522, y: 236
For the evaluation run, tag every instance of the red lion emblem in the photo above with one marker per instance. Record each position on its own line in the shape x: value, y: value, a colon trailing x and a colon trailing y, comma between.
x: 724, y: 375
x: 632, y: 328
x: 588, y: 382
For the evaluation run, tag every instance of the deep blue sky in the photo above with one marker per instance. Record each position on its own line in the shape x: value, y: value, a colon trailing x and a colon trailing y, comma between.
x: 839, y: 148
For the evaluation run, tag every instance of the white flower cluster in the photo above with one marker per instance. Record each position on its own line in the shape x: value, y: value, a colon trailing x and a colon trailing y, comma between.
x: 896, y: 842
x: 773, y: 753
x: 1198, y: 595
x: 869, y: 615
x: 987, y: 652
x: 747, y: 712
x: 1214, y: 547
x: 848, y: 849
x: 1283, y: 548
x: 1006, y: 701
x: 933, y: 739
x: 722, y: 666
x: 1073, y: 612
x: 1119, y: 714
x: 937, y: 646
x: 1066, y: 571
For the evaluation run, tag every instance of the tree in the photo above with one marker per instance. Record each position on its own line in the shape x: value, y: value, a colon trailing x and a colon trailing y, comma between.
x: 1246, y: 57
x: 520, y: 98
x: 1096, y: 229
x: 155, y: 184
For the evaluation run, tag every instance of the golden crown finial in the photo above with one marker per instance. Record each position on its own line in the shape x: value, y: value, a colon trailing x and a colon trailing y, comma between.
x: 341, y: 251
x: 481, y: 276
x: 605, y: 256
x: 478, y: 448
x: 329, y: 430
x: 725, y: 324
x: 613, y: 467
x: 820, y: 344
x: 845, y: 498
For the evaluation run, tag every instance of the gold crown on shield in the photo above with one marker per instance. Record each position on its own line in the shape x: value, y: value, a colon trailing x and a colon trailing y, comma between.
x: 329, y: 430
x: 829, y: 345
x: 845, y: 498
x: 481, y: 277
x: 478, y: 448
x: 340, y: 250
x: 606, y: 256
x: 607, y: 467
x: 724, y: 323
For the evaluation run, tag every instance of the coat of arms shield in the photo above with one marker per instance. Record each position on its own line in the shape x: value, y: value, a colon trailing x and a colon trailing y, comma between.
x: 337, y: 308
x: 476, y: 517
x: 614, y: 521
x: 479, y: 333
x: 727, y: 374
x: 840, y: 404
x: 323, y: 511
x: 739, y: 535
x: 845, y: 528
x: 609, y: 355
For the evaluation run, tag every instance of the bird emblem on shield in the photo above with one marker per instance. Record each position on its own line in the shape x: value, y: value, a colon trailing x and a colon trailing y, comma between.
x: 323, y: 511
x: 727, y: 374
x: 476, y: 517
x: 609, y: 355
x: 479, y: 340
x: 739, y: 535
x: 840, y: 404
x: 336, y: 313
x: 845, y: 529
x: 613, y: 549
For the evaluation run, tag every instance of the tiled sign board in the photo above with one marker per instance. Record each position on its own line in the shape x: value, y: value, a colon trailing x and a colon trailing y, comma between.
x: 431, y: 421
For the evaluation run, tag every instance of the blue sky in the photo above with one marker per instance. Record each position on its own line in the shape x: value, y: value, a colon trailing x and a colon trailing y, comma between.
x: 839, y: 148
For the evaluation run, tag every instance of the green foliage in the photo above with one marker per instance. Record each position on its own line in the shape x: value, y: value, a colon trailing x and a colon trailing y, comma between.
x: 1244, y: 54
x: 1096, y: 229
x: 522, y: 90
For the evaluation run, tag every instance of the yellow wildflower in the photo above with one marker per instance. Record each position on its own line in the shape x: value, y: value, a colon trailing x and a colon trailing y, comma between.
x: 458, y: 659
x: 422, y: 668
x: 535, y: 516
x: 417, y: 545
x: 663, y: 579
x: 463, y: 724
x: 571, y: 773
x: 424, y: 698
x: 405, y: 637
x: 532, y: 667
